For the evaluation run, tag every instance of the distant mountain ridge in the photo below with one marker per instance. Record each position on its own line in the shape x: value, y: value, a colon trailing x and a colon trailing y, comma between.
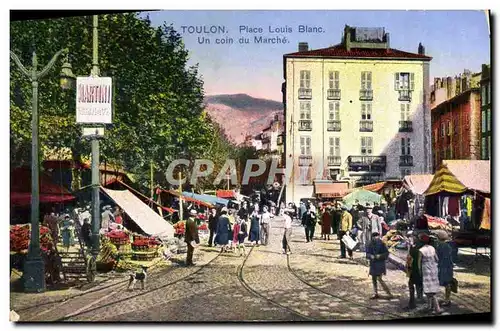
x: 243, y: 101
x: 241, y: 115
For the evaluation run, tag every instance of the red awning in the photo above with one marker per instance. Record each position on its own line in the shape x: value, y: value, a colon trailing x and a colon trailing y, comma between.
x: 20, y: 188
x: 331, y: 190
x: 225, y: 194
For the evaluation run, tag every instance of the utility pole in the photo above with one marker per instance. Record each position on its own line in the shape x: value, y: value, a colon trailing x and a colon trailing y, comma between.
x: 181, y: 210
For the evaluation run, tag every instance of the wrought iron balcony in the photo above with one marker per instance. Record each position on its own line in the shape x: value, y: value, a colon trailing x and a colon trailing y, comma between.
x: 406, y: 160
x: 366, y: 126
x: 305, y: 125
x: 305, y: 160
x: 333, y: 94
x: 366, y: 95
x: 333, y: 125
x: 405, y: 126
x: 404, y: 95
x: 334, y: 160
x: 367, y: 163
x: 305, y: 93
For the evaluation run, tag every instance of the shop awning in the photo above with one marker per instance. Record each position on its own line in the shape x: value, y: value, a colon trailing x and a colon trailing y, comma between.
x: 226, y: 194
x: 459, y: 176
x: 417, y: 184
x: 20, y: 189
x: 376, y: 187
x: 145, y: 217
x: 190, y: 199
x: 331, y: 190
x: 206, y: 198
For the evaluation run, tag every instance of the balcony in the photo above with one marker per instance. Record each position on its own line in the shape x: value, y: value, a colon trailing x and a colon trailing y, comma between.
x: 334, y: 160
x: 333, y: 126
x: 405, y: 126
x: 333, y: 94
x: 366, y: 95
x: 305, y: 160
x: 367, y: 163
x: 305, y: 93
x: 305, y: 125
x: 366, y: 126
x: 404, y: 95
x: 406, y: 160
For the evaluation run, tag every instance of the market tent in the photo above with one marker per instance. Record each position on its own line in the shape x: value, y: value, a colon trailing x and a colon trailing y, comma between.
x: 145, y: 217
x: 225, y: 194
x: 363, y: 196
x: 417, y: 184
x: 330, y: 190
x: 459, y: 176
x: 374, y: 187
x: 189, y: 199
x: 206, y: 198
x: 20, y: 189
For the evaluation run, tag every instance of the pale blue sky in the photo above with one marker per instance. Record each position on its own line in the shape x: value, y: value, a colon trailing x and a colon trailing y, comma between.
x: 455, y: 39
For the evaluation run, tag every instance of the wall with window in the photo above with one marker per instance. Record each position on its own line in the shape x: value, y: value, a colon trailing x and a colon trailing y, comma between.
x: 331, y: 90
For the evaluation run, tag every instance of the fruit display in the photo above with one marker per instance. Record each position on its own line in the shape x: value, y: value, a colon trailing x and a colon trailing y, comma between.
x: 180, y: 228
x: 20, y: 238
x: 203, y: 227
x: 118, y: 237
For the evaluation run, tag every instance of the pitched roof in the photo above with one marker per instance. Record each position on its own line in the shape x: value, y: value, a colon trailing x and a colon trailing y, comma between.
x: 339, y: 51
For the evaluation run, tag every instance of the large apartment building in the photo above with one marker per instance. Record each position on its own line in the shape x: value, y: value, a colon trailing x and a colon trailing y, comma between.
x: 456, y: 118
x: 356, y: 112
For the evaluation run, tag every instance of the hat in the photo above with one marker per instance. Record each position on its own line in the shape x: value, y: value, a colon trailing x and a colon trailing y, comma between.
x: 193, y: 212
x: 424, y: 238
x: 224, y: 209
x: 368, y: 206
x: 442, y: 235
x: 106, y: 207
x: 66, y: 216
x: 343, y: 207
x: 380, y: 212
x: 375, y: 234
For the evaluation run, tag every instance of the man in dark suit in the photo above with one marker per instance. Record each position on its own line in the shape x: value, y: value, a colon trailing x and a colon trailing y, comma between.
x: 191, y: 237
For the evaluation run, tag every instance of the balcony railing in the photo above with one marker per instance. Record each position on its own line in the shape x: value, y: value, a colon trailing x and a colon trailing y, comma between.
x: 305, y: 93
x: 366, y: 95
x: 405, y: 126
x: 305, y: 125
x: 406, y: 160
x: 333, y: 94
x: 404, y: 95
x: 367, y: 163
x: 305, y: 160
x: 366, y: 126
x: 333, y: 125
x: 334, y: 160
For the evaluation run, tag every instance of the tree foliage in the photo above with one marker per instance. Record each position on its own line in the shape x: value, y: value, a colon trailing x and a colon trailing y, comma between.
x: 158, y: 100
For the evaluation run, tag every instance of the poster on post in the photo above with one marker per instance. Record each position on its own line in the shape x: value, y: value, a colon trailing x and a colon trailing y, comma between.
x: 93, y: 100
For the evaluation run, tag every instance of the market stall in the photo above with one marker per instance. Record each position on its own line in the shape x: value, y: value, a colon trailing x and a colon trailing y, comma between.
x: 460, y: 189
x: 329, y: 192
x: 411, y: 196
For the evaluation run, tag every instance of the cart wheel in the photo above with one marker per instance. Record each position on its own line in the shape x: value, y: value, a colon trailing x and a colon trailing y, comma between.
x: 91, y: 269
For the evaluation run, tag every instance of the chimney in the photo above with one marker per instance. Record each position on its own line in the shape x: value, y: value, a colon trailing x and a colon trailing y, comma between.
x: 303, y: 47
x: 347, y: 38
x: 421, y: 49
x: 388, y: 40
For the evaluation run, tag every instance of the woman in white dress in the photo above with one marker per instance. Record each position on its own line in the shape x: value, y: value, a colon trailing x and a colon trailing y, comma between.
x: 428, y: 266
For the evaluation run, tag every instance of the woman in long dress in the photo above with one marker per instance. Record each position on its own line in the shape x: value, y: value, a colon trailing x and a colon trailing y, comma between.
x: 445, y: 265
x: 67, y: 232
x: 326, y: 224
x: 254, y: 226
x: 223, y: 227
x: 428, y: 265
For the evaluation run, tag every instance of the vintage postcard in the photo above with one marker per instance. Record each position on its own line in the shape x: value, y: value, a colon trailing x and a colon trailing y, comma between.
x: 250, y: 166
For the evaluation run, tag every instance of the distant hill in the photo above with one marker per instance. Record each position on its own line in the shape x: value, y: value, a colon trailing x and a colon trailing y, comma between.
x: 243, y: 101
x: 241, y: 114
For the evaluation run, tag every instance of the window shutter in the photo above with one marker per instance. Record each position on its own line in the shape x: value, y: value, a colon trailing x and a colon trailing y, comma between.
x: 369, y: 145
x: 402, y: 146
x: 396, y: 81
x: 337, y: 146
x: 408, y: 147
x: 330, y: 79
x: 337, y: 80
x: 330, y: 105
x: 412, y: 81
x: 363, y: 80
x: 337, y: 111
x: 369, y: 81
x: 308, y: 79
x: 331, y: 141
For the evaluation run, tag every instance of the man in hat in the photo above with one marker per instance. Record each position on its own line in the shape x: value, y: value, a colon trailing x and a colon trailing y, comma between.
x: 287, y: 235
x: 309, y: 223
x: 106, y: 217
x: 345, y: 227
x: 87, y: 233
x: 412, y: 271
x: 420, y: 222
x: 191, y: 236
x: 377, y: 253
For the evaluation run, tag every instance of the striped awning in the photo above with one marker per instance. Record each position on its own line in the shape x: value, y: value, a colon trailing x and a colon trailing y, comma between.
x: 445, y: 181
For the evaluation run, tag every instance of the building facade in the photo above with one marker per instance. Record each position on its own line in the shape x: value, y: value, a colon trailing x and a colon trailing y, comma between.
x: 357, y: 111
x: 456, y: 118
x: 485, y: 113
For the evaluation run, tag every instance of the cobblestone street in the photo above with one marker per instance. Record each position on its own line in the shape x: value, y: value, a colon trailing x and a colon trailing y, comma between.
x: 310, y: 284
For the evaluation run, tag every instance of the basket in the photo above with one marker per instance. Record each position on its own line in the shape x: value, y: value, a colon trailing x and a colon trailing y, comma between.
x: 120, y: 241
x: 144, y: 256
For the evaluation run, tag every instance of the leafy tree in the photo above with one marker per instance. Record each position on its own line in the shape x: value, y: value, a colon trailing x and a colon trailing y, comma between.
x: 158, y: 99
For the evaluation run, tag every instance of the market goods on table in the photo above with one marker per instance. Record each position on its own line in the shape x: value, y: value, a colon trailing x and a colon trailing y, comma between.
x: 20, y: 238
x: 437, y: 223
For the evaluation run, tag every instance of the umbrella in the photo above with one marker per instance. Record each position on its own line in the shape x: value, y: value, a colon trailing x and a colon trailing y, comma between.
x: 363, y: 196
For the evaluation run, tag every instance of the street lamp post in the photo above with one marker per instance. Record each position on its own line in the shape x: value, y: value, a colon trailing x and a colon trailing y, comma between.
x: 34, y: 268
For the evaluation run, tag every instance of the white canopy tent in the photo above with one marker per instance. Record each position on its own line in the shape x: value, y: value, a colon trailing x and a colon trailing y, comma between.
x: 145, y: 217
